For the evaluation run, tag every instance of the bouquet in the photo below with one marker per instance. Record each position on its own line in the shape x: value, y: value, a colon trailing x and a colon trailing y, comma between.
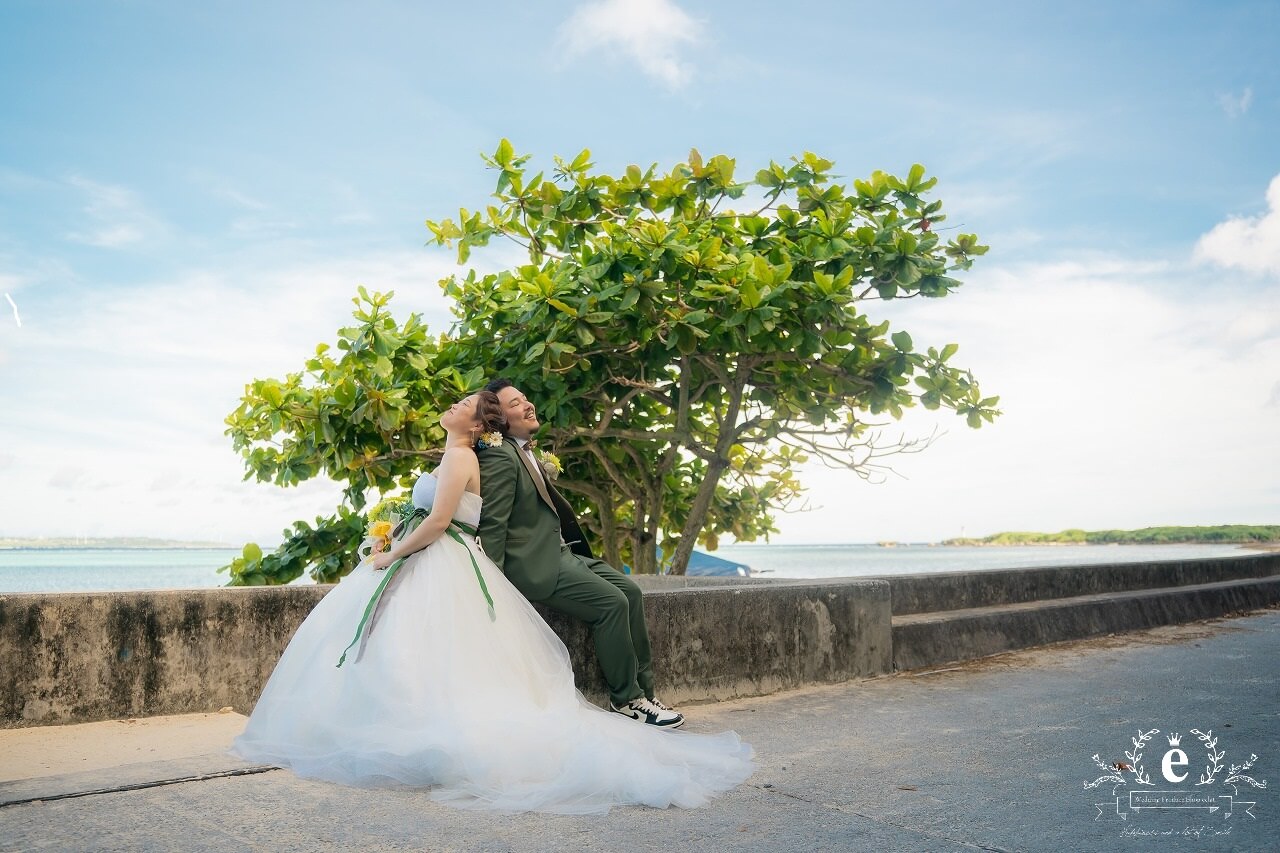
x: 384, y: 518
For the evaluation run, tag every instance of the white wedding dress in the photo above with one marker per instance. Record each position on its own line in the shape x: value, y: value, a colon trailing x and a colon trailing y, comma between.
x: 482, y: 710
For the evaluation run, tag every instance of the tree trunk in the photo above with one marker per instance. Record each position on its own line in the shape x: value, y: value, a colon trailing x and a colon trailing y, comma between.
x: 725, y: 437
x: 609, y: 544
x: 697, y: 514
x: 642, y: 562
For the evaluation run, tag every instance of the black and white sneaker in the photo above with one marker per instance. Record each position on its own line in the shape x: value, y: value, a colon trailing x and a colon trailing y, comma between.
x: 646, y: 711
x: 663, y: 705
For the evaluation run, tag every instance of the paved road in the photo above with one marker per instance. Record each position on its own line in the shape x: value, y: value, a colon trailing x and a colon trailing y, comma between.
x: 991, y: 755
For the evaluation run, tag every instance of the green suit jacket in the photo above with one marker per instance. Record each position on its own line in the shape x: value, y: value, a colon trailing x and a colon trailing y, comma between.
x: 522, y: 526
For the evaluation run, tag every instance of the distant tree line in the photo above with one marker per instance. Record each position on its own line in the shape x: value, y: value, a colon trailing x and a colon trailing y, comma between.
x: 1221, y: 533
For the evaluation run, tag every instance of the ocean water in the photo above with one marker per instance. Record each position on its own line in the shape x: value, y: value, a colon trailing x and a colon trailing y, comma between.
x: 97, y: 570
x: 842, y: 561
x: 82, y: 570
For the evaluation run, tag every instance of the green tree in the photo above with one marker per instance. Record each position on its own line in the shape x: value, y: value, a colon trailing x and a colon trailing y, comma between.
x: 686, y: 348
x: 696, y: 347
x: 365, y: 414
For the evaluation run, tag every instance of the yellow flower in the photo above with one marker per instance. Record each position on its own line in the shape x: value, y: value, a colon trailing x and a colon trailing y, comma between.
x: 381, y: 529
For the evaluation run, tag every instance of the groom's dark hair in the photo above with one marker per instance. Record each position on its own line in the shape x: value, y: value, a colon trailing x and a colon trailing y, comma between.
x: 496, y: 385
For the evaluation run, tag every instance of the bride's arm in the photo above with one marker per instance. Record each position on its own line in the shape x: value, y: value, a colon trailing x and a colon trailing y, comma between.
x: 456, y: 469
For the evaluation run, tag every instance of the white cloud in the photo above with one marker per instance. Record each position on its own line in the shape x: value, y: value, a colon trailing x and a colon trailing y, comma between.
x: 1250, y: 243
x: 115, y: 401
x: 649, y: 32
x: 1019, y: 142
x: 262, y: 228
x: 238, y: 198
x: 117, y: 217
x: 1125, y: 406
x: 255, y: 219
x: 1236, y: 105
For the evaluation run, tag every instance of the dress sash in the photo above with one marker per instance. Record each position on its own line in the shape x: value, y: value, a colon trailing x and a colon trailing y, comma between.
x: 454, y: 531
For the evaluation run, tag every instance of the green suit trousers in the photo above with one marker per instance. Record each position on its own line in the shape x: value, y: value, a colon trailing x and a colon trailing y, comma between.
x: 522, y: 532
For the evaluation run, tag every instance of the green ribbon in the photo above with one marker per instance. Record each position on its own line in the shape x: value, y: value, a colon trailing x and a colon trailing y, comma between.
x: 404, y: 529
x: 452, y: 532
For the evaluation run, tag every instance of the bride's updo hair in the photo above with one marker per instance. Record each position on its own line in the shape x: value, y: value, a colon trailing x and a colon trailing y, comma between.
x: 489, y: 412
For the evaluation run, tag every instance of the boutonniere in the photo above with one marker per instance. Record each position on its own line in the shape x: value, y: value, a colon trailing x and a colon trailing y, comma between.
x: 550, y: 464
x: 489, y: 439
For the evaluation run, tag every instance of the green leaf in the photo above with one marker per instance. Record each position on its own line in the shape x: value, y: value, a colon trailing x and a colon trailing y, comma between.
x: 504, y: 153
x: 766, y: 178
x: 563, y: 307
x: 902, y: 341
x: 270, y: 391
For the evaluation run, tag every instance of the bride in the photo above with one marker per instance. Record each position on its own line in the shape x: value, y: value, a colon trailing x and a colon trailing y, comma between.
x: 455, y: 682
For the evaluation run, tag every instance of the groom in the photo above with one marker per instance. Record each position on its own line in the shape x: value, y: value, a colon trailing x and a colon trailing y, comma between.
x: 529, y: 531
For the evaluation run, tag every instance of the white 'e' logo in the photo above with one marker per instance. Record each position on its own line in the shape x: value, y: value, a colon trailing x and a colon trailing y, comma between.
x: 1173, y: 758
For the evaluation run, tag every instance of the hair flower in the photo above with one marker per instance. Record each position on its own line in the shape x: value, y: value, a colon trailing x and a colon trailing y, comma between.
x: 489, y: 439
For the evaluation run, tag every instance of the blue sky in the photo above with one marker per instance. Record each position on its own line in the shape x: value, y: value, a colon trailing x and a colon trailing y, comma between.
x: 190, y: 194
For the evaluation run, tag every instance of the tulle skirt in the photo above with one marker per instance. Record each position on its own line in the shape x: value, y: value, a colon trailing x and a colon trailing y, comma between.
x: 483, y: 711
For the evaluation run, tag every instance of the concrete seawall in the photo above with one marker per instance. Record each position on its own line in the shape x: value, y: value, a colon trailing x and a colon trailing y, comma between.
x: 78, y: 657
x: 938, y: 591
x: 943, y: 618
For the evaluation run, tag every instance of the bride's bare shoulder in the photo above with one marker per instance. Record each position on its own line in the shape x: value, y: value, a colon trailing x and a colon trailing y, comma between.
x: 460, y: 456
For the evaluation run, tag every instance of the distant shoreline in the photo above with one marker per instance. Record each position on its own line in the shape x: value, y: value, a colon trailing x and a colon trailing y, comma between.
x: 1264, y: 536
x: 10, y: 548
x: 15, y: 543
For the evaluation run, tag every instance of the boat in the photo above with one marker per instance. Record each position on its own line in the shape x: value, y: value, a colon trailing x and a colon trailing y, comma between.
x: 705, y: 565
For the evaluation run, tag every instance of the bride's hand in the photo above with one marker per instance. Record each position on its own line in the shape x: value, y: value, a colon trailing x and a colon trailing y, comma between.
x: 382, y: 559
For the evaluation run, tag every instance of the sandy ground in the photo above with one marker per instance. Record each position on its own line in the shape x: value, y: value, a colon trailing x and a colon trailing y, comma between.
x: 1269, y: 547
x: 35, y: 752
